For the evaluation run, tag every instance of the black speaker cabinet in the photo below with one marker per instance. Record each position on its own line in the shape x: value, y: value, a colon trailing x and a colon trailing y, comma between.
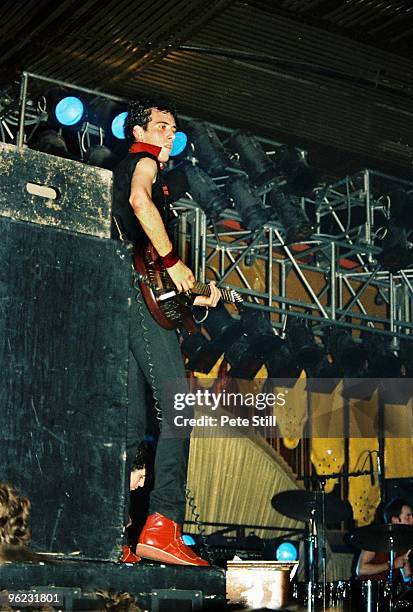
x: 53, y: 191
x: 63, y: 374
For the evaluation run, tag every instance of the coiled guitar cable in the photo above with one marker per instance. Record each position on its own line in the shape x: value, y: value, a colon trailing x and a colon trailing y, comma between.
x: 146, y: 345
x: 205, y: 549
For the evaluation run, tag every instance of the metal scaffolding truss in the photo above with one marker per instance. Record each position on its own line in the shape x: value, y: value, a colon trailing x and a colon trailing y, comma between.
x: 343, y: 262
x: 356, y: 206
x: 335, y: 274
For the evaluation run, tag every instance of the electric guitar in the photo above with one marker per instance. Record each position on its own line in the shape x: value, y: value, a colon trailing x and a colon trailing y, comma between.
x: 169, y: 308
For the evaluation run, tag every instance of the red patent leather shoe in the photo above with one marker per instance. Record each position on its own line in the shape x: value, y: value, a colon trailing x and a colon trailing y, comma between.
x: 161, y: 540
x: 128, y: 556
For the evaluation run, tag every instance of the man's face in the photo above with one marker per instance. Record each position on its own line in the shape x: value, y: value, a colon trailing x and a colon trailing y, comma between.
x: 405, y: 517
x: 160, y: 131
x: 137, y: 478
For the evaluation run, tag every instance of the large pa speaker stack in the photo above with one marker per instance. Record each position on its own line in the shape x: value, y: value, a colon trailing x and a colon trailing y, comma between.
x: 64, y: 296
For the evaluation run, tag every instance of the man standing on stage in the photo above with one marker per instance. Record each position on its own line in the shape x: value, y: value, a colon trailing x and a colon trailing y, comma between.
x: 376, y: 565
x: 140, y: 213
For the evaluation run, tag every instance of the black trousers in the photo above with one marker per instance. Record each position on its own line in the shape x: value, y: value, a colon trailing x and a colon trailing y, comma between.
x: 155, y: 355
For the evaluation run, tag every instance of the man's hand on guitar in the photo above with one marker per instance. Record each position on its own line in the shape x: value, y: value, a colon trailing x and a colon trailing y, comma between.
x: 181, y: 276
x: 212, y: 300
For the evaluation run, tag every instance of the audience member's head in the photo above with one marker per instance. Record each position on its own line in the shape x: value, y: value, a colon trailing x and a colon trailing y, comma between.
x: 14, y: 530
x: 14, y: 516
x: 118, y: 602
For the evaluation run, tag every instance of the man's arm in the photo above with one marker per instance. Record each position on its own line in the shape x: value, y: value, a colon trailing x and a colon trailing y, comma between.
x: 366, y: 568
x: 407, y: 568
x: 151, y: 221
x: 144, y: 208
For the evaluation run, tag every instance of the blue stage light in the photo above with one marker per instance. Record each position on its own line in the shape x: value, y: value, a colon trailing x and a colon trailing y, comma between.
x: 188, y: 539
x: 179, y: 143
x: 69, y: 110
x: 286, y: 551
x: 118, y: 125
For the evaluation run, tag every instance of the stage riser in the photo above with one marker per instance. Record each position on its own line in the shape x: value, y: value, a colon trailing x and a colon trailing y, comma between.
x: 150, y: 584
x: 63, y: 383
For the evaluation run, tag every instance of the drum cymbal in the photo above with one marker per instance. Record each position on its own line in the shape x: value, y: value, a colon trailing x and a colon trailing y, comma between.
x: 377, y: 538
x: 304, y: 505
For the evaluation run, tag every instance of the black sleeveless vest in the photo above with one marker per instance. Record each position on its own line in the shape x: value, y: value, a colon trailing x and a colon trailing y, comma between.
x: 122, y: 212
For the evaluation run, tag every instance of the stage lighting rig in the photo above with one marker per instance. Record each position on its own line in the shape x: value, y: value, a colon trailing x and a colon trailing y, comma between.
x: 101, y: 156
x: 201, y: 355
x: 223, y: 330
x: 109, y: 115
x: 253, y: 158
x: 290, y: 213
x: 381, y: 358
x: 208, y: 148
x: 205, y: 191
x: 257, y: 345
x: 279, y: 361
x: 86, y: 124
x: 349, y: 356
x: 301, y: 178
x: 179, y: 145
x: 393, y: 239
x: 62, y: 108
x: 9, y: 117
x: 406, y: 355
x: 247, y: 344
x: 280, y: 549
x: 303, y: 346
x: 188, y: 539
x: 246, y: 202
x: 117, y: 125
x: 69, y: 111
x: 51, y: 142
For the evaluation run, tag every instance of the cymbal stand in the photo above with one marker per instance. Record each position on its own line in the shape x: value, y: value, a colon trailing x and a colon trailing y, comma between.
x: 317, y: 544
x: 312, y: 562
x: 313, y: 537
x: 391, y: 571
x: 322, y: 535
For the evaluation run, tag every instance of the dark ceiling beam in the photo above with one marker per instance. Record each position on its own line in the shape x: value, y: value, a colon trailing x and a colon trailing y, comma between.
x: 201, y: 13
x: 320, y: 17
x: 43, y: 23
x: 299, y: 67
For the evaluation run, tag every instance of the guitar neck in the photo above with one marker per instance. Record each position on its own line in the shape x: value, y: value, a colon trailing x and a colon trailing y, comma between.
x: 204, y: 289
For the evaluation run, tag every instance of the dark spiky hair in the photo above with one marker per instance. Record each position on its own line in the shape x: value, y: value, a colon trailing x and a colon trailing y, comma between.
x: 141, y: 457
x: 394, y: 508
x: 139, y: 112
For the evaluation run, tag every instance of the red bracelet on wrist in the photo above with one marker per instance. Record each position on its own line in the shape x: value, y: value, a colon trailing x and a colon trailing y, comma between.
x: 170, y: 259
